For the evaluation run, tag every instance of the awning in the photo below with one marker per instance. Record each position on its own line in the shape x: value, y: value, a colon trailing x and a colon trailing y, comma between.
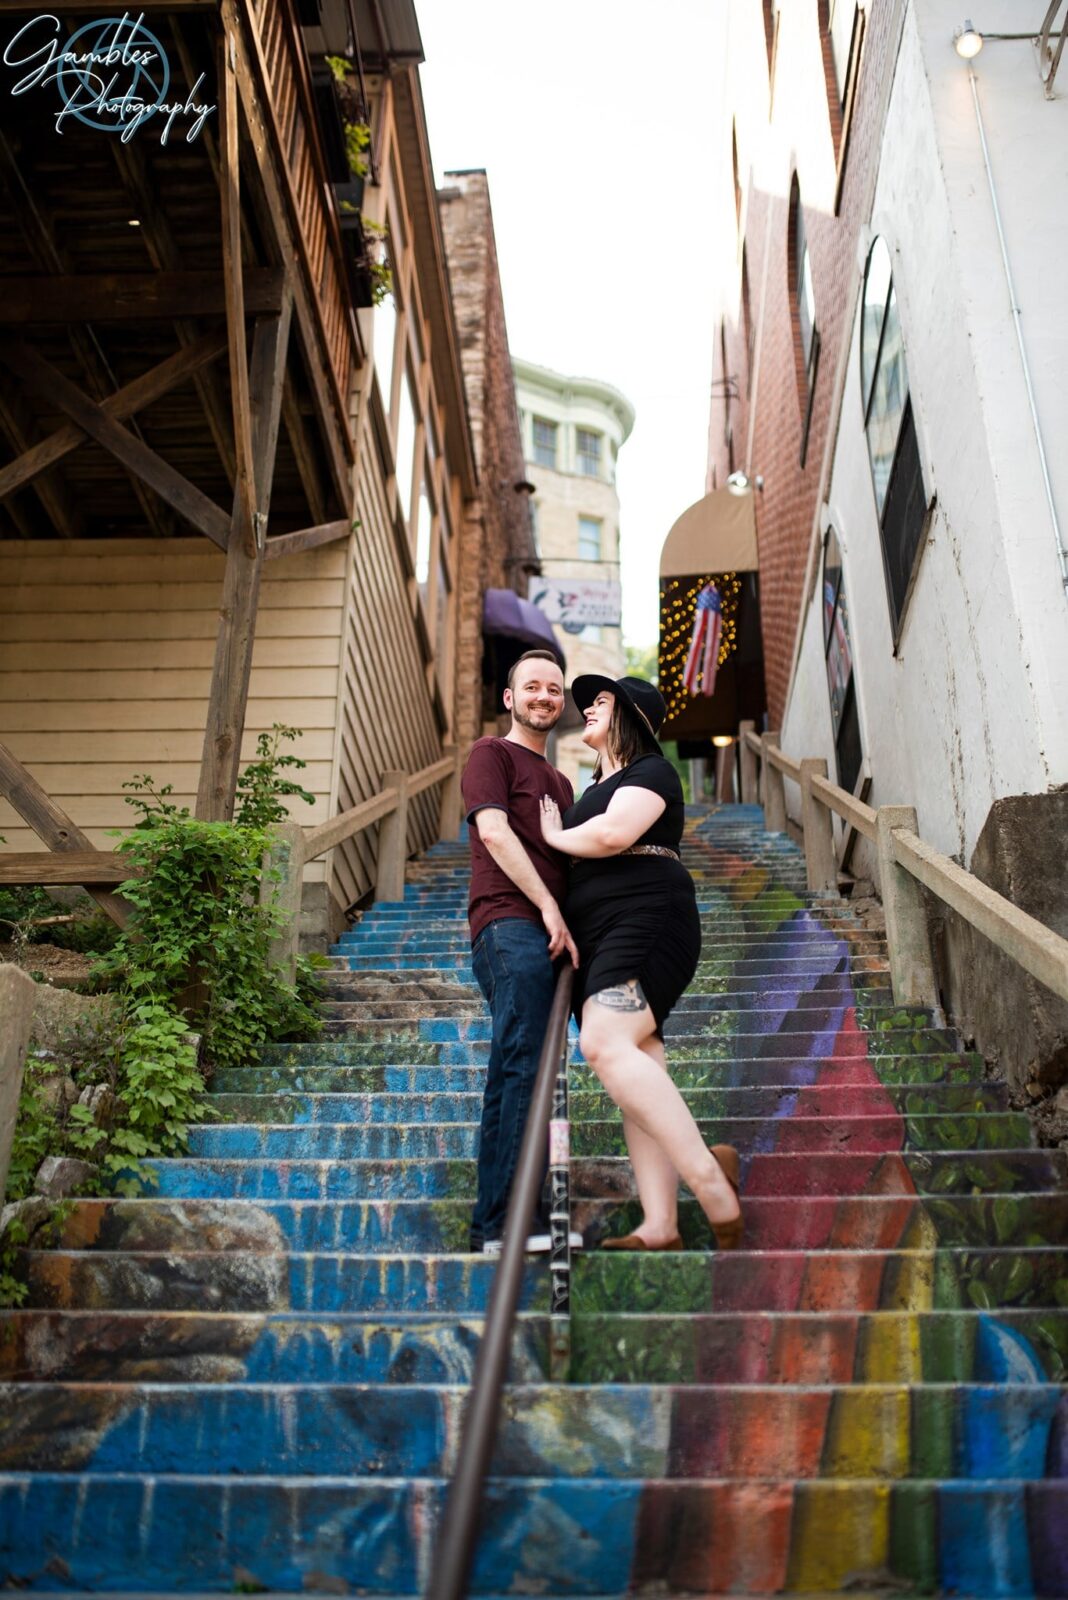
x: 506, y: 616
x: 717, y: 534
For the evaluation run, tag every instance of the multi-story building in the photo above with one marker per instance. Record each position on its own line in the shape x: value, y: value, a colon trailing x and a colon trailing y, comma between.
x: 890, y: 365
x: 573, y: 430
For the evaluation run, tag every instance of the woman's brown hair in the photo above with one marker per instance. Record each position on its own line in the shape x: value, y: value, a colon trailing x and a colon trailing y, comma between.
x: 626, y: 738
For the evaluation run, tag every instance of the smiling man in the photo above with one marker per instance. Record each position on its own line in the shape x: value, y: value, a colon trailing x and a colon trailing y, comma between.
x: 517, y: 930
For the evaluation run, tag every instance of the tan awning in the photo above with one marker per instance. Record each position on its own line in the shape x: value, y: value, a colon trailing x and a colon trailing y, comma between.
x: 717, y: 534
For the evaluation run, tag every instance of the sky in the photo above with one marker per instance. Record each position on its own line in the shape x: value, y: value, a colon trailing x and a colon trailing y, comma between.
x: 598, y: 134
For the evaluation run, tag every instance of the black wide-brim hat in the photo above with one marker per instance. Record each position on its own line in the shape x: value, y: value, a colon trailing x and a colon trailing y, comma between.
x: 643, y: 699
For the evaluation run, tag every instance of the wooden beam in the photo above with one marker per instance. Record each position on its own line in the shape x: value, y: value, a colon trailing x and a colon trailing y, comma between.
x: 132, y: 397
x: 51, y: 489
x: 132, y: 296
x: 241, y: 583
x: 51, y: 824
x: 303, y: 455
x: 90, y: 868
x: 246, y: 524
x: 290, y: 544
x: 157, y: 237
x: 190, y: 503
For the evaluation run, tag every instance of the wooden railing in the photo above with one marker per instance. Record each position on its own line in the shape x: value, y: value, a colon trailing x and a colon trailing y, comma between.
x: 282, y: 69
x: 905, y: 862
x: 292, y: 846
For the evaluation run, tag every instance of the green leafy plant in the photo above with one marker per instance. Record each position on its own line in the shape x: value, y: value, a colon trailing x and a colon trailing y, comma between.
x: 261, y: 788
x: 357, y: 143
x: 376, y: 259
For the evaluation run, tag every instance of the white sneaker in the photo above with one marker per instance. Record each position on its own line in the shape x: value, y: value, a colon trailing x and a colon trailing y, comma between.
x: 538, y: 1244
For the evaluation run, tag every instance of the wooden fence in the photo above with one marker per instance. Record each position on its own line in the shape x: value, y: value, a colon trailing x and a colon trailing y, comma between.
x: 905, y: 863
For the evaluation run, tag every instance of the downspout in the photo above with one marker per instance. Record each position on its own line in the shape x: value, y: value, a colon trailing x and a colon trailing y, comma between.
x: 1062, y: 554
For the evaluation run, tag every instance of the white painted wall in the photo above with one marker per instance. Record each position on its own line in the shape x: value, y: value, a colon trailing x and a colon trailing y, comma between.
x: 975, y: 703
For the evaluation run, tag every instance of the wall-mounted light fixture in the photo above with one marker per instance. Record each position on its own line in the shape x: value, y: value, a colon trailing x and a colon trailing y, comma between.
x: 742, y: 483
x: 967, y: 41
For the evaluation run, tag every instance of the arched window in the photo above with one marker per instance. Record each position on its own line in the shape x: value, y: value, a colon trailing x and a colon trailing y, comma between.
x: 839, y: 657
x: 803, y: 311
x: 897, y: 476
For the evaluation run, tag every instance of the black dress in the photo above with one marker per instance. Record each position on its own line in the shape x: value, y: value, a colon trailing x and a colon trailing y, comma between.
x: 634, y: 916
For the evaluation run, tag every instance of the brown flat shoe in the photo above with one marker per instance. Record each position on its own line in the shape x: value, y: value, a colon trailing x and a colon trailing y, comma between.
x: 728, y: 1235
x: 634, y: 1241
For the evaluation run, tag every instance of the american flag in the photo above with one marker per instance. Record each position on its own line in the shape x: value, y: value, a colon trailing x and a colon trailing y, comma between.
x: 703, y: 657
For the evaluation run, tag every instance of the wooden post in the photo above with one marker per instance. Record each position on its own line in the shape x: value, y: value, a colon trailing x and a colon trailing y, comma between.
x: 241, y: 585
x: 749, y: 765
x: 393, y: 841
x: 451, y: 798
x: 821, y: 867
x: 774, y: 787
x: 912, y: 971
x: 285, y: 856
x: 248, y: 482
x: 51, y: 824
x: 16, y: 1021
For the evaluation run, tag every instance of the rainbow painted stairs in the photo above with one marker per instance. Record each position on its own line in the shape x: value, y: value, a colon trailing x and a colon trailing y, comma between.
x: 254, y: 1378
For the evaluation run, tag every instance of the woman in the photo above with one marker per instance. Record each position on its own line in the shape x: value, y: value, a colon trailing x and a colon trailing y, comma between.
x: 632, y: 911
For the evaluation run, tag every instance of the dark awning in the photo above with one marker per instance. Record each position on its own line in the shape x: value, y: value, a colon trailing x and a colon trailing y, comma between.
x: 506, y: 616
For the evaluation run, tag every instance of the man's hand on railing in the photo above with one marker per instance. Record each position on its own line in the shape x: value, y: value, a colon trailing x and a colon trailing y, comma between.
x: 559, y: 937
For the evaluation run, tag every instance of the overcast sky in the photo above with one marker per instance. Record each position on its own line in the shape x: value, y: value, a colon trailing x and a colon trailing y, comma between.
x: 595, y: 121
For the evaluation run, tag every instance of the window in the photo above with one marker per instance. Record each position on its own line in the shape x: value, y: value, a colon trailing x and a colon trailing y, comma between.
x: 839, y: 658
x: 806, y: 333
x: 384, y: 336
x: 896, y: 472
x: 405, y: 445
x: 592, y: 633
x: 589, y: 547
x: 842, y: 25
x: 588, y: 452
x: 423, y: 530
x: 585, y: 777
x: 737, y: 175
x: 544, y: 443
x: 747, y: 322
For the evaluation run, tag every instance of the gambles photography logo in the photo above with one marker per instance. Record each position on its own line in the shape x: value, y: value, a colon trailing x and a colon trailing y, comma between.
x: 112, y: 74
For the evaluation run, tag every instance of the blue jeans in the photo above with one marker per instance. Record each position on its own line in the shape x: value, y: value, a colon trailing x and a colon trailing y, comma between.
x: 511, y: 963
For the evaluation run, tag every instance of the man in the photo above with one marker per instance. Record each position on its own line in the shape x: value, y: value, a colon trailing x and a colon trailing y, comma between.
x: 517, y: 929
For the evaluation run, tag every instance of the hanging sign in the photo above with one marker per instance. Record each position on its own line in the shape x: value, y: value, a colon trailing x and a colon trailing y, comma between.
x: 578, y: 600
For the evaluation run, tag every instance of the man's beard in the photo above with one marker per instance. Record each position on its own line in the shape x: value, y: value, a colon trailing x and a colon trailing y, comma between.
x: 527, y: 721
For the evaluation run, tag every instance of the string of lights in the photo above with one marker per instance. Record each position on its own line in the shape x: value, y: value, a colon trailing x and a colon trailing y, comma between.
x: 678, y: 608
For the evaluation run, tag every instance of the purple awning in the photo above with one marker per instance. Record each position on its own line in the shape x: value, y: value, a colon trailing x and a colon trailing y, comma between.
x: 509, y: 617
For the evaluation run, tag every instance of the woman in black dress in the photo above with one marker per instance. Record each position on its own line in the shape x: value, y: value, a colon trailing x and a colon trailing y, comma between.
x: 632, y: 911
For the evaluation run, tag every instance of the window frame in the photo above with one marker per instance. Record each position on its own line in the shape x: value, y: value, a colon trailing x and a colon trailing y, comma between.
x: 806, y: 362
x: 907, y: 429
x: 583, y: 456
x: 848, y: 713
x: 536, y: 445
x: 593, y: 522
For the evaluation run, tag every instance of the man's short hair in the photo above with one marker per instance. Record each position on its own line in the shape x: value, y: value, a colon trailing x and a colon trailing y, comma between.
x: 531, y: 655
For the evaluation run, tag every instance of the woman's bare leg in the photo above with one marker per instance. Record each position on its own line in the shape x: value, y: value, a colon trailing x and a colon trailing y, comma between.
x: 657, y: 1180
x: 616, y: 1022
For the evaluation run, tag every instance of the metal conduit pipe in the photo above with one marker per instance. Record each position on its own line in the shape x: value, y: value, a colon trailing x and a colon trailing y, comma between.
x: 1062, y: 553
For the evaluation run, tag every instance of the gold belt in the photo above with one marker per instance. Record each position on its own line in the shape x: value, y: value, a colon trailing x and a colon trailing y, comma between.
x: 651, y: 850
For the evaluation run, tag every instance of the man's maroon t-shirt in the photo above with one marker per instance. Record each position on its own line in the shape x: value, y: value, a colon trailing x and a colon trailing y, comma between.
x: 505, y: 775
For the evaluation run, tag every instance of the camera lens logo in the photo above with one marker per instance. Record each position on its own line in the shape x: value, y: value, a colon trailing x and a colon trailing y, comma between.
x: 112, y: 70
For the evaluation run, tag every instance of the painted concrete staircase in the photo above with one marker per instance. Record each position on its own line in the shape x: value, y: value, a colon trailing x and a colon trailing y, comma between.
x: 255, y: 1377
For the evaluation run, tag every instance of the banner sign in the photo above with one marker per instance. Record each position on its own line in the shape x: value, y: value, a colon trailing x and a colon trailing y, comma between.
x: 578, y: 600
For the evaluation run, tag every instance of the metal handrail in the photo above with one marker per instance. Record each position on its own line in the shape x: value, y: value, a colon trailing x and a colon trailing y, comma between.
x: 459, y: 1524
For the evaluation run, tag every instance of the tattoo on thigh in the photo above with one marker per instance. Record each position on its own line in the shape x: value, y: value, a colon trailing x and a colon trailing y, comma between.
x: 622, y: 997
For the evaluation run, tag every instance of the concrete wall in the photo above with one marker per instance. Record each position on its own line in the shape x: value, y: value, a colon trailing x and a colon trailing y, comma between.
x: 970, y: 707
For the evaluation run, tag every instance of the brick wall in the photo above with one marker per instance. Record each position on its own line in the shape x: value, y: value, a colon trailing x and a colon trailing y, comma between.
x: 800, y: 135
x: 496, y: 541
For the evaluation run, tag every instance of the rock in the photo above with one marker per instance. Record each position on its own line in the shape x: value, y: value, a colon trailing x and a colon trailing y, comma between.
x: 100, y: 1100
x: 1060, y: 1101
x: 59, y: 1176
x: 32, y: 1212
x: 59, y: 1013
x: 58, y: 1092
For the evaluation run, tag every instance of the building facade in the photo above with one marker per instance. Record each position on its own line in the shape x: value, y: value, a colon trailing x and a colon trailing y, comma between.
x: 145, y: 626
x: 498, y: 549
x: 573, y: 431
x: 868, y: 369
